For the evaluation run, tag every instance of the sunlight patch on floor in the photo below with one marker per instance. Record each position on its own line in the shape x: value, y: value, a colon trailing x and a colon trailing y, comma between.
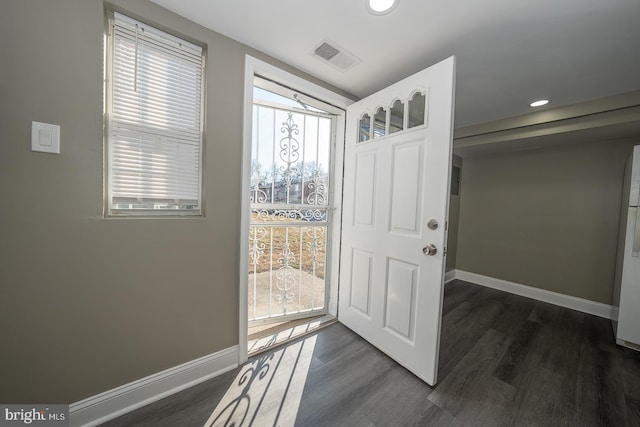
x: 268, y: 389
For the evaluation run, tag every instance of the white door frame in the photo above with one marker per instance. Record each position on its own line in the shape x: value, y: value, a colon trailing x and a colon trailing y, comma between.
x: 254, y: 67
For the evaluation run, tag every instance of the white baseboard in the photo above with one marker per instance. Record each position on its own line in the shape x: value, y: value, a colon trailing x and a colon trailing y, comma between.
x: 574, y: 303
x: 449, y: 276
x: 113, y: 403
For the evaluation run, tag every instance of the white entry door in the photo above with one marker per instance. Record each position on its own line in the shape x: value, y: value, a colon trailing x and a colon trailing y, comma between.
x: 396, y: 192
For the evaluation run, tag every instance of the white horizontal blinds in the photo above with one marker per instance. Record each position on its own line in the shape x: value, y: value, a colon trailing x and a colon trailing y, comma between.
x: 155, y: 131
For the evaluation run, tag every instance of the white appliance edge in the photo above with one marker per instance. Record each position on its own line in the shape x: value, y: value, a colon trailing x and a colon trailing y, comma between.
x: 626, y: 297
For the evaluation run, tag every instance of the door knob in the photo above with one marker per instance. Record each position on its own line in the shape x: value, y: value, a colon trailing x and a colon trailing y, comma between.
x: 430, y: 249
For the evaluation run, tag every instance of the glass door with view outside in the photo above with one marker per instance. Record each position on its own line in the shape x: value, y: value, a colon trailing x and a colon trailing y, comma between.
x: 291, y: 216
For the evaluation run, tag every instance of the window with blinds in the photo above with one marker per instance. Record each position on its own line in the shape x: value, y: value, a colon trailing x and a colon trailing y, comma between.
x: 154, y: 121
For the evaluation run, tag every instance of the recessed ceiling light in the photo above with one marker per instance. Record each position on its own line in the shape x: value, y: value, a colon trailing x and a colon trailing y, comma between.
x: 380, y: 7
x: 539, y: 103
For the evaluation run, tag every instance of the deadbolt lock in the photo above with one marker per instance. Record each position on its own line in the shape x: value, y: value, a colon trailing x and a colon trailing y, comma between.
x: 432, y: 224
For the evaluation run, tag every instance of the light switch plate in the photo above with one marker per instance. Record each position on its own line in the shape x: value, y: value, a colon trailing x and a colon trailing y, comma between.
x: 45, y: 137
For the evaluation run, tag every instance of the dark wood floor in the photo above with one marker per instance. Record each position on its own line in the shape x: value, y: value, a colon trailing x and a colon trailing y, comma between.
x: 505, y: 360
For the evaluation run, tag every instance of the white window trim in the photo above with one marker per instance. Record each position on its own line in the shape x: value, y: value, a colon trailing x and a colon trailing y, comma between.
x: 178, y: 45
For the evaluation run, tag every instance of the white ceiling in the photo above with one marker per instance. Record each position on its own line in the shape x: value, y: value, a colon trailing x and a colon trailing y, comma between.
x: 509, y: 52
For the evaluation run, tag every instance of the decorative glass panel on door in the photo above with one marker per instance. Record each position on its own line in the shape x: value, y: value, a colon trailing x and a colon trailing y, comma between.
x: 380, y: 123
x: 396, y: 118
x: 364, y: 130
x: 416, y: 110
x: 290, y: 213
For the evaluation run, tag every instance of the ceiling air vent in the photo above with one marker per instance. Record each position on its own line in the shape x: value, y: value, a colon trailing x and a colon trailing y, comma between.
x: 335, y: 55
x: 326, y: 51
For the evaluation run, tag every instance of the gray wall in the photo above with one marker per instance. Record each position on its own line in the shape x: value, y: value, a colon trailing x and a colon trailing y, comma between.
x: 546, y: 218
x: 89, y: 303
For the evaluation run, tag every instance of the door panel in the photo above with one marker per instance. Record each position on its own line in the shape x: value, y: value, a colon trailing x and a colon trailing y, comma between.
x: 399, y: 310
x: 361, y: 278
x: 397, y: 180
x: 406, y: 190
x: 365, y: 189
